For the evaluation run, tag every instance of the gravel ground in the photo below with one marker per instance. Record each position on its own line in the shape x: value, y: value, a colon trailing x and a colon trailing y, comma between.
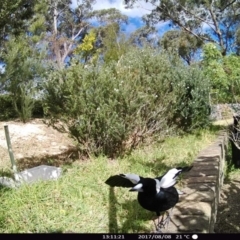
x: 228, y: 219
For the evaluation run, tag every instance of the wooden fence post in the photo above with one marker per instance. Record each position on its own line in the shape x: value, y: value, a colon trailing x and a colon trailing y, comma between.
x: 10, y: 151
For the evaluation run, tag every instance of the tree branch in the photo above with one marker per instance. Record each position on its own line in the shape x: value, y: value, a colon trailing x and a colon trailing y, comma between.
x: 202, y: 20
x: 194, y: 34
x: 218, y: 31
x: 221, y: 10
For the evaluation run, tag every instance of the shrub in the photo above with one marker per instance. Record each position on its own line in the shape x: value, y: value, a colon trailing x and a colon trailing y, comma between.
x: 37, y: 111
x: 223, y: 72
x: 191, y: 109
x: 23, y: 102
x: 7, y: 110
x: 111, y: 109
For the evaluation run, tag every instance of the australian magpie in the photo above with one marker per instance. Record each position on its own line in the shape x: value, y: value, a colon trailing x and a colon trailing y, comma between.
x: 154, y: 194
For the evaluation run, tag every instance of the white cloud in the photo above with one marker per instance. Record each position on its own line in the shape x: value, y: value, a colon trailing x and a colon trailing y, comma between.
x: 141, y: 7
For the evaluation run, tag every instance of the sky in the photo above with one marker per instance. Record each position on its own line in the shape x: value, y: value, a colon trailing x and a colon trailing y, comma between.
x: 140, y: 9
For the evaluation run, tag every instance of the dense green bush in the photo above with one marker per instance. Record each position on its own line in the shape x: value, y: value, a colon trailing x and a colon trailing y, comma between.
x: 224, y: 74
x: 24, y: 67
x: 113, y: 108
x: 23, y: 102
x: 7, y: 110
x: 191, y: 109
x: 37, y: 111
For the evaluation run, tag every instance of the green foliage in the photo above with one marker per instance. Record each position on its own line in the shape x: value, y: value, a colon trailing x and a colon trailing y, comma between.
x: 191, y: 107
x: 6, y: 108
x: 13, y: 16
x: 111, y: 109
x: 24, y: 103
x: 209, y: 21
x: 87, y: 49
x: 55, y: 92
x: 8, y: 111
x: 88, y: 43
x: 64, y: 27
x: 212, y: 62
x: 114, y: 44
x: 143, y: 36
x: 183, y: 43
x: 37, y: 26
x: 224, y: 72
x: 109, y: 16
x: 23, y: 68
x: 231, y: 66
x: 111, y: 42
x: 37, y: 111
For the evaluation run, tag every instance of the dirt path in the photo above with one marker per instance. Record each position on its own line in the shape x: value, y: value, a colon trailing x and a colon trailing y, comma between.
x: 33, y: 142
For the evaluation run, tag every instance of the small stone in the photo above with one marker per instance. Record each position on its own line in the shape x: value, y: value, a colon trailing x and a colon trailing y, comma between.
x: 7, y: 182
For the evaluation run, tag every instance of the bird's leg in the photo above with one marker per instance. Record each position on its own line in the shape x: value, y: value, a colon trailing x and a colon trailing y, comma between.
x: 158, y: 230
x: 166, y: 221
x: 160, y: 222
x: 154, y: 221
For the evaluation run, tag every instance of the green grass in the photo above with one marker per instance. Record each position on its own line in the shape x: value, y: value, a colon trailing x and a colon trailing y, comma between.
x: 80, y: 201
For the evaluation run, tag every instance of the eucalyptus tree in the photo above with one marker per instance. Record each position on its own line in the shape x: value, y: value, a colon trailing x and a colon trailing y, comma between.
x: 111, y: 40
x: 65, y: 27
x: 13, y: 16
x: 213, y: 21
x: 183, y: 44
x: 146, y: 35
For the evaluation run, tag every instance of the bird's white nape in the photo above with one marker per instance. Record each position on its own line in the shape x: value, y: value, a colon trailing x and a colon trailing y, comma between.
x: 158, y: 185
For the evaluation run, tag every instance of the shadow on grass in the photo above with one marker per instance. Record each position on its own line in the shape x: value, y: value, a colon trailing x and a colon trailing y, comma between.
x: 112, y: 212
x: 216, y: 128
x: 6, y: 173
x: 136, y: 215
x: 138, y: 218
x: 68, y: 157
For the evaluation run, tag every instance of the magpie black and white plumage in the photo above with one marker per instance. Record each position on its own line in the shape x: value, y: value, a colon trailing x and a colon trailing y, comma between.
x: 154, y: 194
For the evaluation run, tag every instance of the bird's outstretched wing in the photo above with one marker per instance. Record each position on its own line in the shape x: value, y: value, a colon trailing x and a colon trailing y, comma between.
x: 123, y: 180
x: 170, y: 178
